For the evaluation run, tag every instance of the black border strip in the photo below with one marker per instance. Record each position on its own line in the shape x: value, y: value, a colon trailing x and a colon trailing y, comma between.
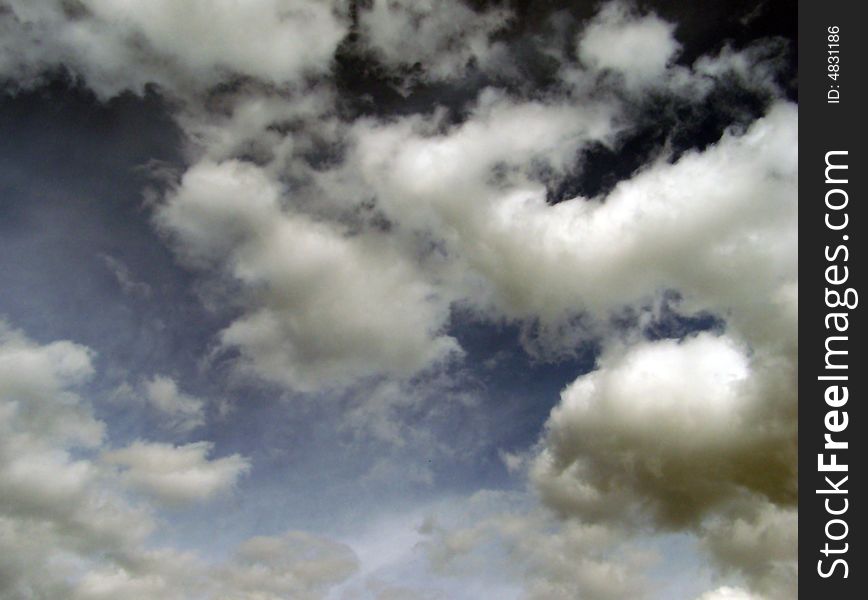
x: 831, y: 262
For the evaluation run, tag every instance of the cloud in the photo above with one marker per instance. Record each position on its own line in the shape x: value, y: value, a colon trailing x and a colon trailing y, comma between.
x: 697, y: 434
x: 144, y: 575
x: 693, y: 226
x: 639, y: 48
x: 442, y: 38
x: 338, y: 251
x: 498, y: 538
x: 640, y: 434
x: 39, y: 378
x: 181, y: 411
x: 55, y: 503
x: 389, y: 224
x: 177, y: 474
x: 693, y: 435
x: 295, y: 565
x: 42, y: 420
x: 128, y: 284
x: 67, y: 529
x: 761, y: 544
x: 384, y: 591
x: 183, y: 47
x: 729, y: 593
x: 323, y: 307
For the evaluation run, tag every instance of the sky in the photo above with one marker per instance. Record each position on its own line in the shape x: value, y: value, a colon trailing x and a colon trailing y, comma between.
x: 398, y: 300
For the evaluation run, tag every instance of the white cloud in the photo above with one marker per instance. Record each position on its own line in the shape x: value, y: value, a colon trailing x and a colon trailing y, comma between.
x: 347, y: 270
x: 56, y: 505
x: 182, y: 46
x: 698, y: 434
x: 145, y: 575
x: 181, y: 411
x: 638, y: 441
x: 470, y: 223
x: 34, y: 386
x: 329, y: 297
x: 442, y: 37
x: 177, y: 474
x: 67, y: 529
x: 41, y: 420
x: 323, y: 307
x: 637, y: 47
x: 754, y: 67
x: 296, y: 565
x: 729, y: 593
x: 717, y: 226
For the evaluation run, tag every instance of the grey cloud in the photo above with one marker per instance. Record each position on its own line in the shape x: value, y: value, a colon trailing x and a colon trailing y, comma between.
x: 640, y: 435
x: 127, y: 283
x: 760, y: 543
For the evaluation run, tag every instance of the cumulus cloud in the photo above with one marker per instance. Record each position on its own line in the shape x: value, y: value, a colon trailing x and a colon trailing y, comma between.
x: 697, y: 434
x: 639, y: 433
x: 67, y: 528
x: 355, y: 271
x: 177, y: 474
x: 341, y: 249
x: 694, y: 226
x: 443, y: 38
x: 144, y: 575
x: 295, y: 565
x: 325, y: 306
x: 172, y: 410
x: 639, y: 48
x: 183, y: 47
x: 694, y: 435
x: 39, y: 378
x: 55, y: 504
